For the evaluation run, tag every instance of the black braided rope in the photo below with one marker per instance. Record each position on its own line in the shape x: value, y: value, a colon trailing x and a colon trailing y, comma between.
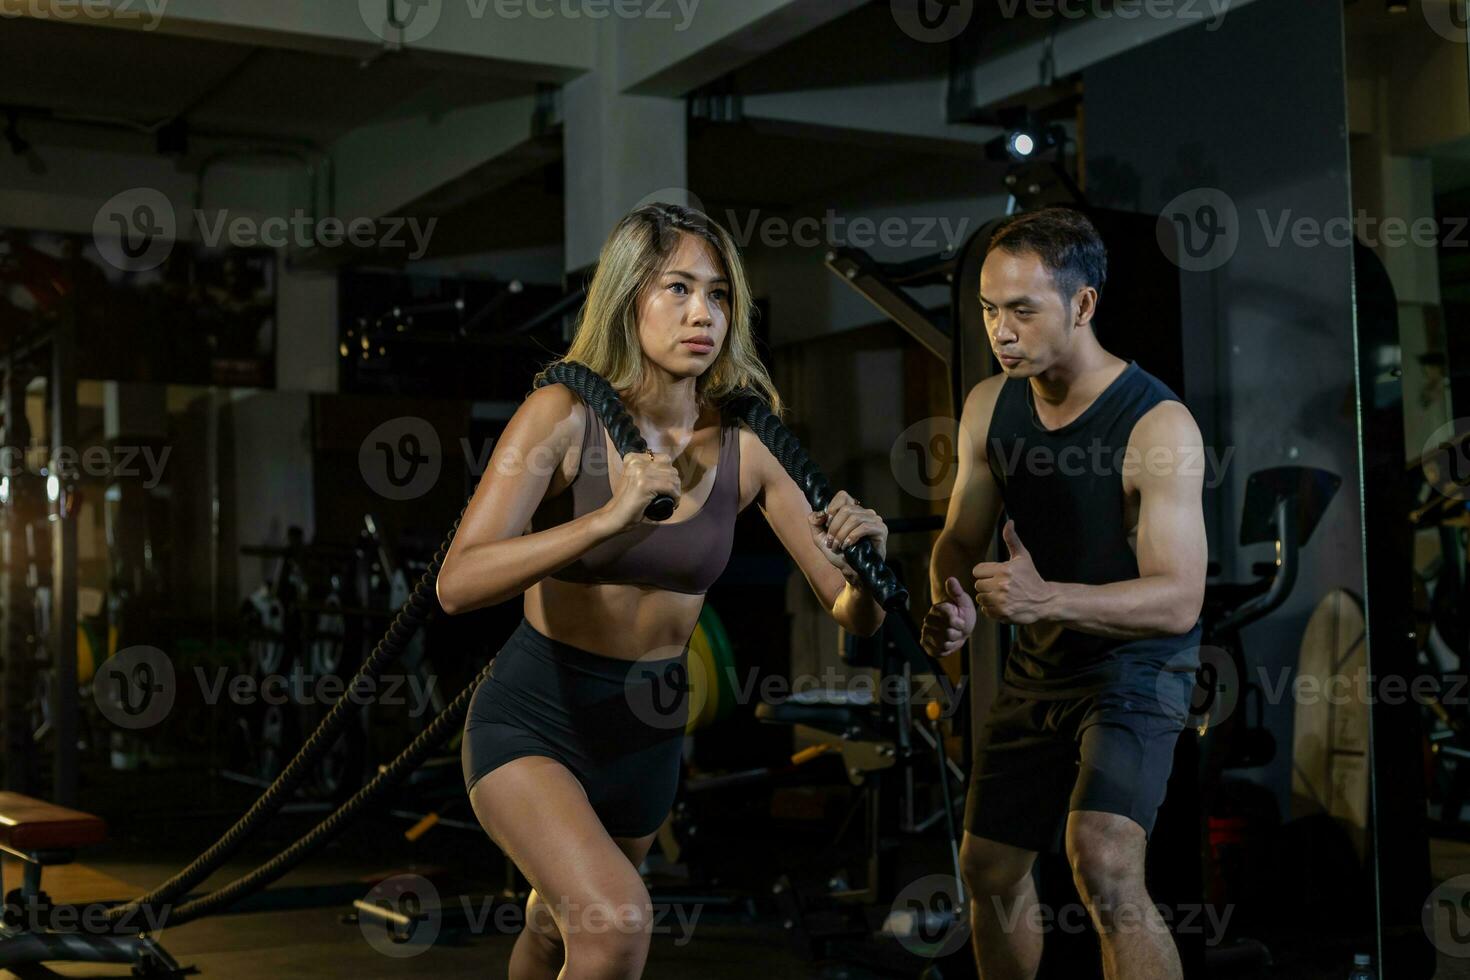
x: 881, y: 583
x: 597, y: 393
x: 594, y: 389
x: 414, y: 612
x: 751, y: 408
x: 388, y: 776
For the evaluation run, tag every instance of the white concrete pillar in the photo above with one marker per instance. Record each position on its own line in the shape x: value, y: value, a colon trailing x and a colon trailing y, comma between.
x: 618, y: 149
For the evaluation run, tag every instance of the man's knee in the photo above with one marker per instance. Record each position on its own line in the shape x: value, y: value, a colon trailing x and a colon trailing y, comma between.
x: 1107, y: 862
x: 991, y: 868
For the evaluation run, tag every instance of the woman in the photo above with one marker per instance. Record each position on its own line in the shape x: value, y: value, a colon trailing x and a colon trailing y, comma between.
x: 568, y: 768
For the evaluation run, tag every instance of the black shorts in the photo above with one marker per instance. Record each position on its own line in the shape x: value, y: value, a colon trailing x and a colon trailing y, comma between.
x: 1038, y: 760
x: 618, y: 725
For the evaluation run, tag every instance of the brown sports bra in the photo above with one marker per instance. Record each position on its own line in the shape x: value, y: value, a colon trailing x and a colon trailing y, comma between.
x: 685, y: 556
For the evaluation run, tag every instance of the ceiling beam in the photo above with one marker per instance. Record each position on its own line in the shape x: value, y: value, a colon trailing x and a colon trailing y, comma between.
x: 690, y: 43
x: 995, y: 77
x: 908, y: 113
x: 517, y: 38
x: 385, y: 166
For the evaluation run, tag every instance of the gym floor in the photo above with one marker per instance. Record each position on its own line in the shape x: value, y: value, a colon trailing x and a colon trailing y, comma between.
x: 301, y: 927
x: 150, y: 841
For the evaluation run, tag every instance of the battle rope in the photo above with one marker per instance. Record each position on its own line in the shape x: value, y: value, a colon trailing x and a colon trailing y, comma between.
x: 414, y: 612
x: 601, y: 397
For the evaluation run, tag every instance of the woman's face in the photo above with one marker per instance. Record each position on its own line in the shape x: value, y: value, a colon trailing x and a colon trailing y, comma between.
x: 684, y: 314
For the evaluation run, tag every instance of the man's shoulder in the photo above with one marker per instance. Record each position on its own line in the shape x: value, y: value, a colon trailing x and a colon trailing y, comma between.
x: 983, y: 395
x: 1168, y: 423
x: 980, y: 408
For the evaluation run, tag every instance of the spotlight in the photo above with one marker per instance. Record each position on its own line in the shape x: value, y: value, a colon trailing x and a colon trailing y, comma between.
x: 1035, y: 153
x: 53, y: 488
x: 1021, y: 145
x: 1025, y: 139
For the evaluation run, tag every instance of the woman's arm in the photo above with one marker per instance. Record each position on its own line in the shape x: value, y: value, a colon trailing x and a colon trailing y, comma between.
x: 490, y: 559
x: 805, y: 535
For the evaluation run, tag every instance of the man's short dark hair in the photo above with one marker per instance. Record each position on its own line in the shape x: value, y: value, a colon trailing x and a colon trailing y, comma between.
x: 1065, y: 240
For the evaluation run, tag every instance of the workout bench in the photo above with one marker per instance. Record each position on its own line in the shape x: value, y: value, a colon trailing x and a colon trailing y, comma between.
x: 40, y: 834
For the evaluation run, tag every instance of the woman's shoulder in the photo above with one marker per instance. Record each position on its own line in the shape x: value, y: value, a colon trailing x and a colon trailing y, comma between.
x: 552, y: 415
x: 553, y: 404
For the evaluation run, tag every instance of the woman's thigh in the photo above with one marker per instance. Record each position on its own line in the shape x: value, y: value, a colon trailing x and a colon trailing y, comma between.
x: 539, y: 815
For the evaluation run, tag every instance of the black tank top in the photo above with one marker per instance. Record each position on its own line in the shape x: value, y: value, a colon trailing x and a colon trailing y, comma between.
x: 1064, y: 489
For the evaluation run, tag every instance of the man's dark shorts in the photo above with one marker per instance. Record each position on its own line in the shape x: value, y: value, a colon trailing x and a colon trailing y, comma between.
x: 1037, y: 760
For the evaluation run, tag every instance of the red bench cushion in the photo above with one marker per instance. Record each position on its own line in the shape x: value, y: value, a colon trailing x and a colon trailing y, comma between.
x: 29, y: 824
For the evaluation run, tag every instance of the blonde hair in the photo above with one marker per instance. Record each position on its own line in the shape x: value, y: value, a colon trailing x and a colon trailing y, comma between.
x: 606, y: 339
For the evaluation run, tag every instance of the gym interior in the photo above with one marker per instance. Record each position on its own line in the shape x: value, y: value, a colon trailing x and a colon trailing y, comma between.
x: 274, y: 278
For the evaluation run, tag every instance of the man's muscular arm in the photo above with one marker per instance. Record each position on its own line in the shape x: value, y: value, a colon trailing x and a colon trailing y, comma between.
x: 974, y: 506
x: 975, y: 502
x: 1166, y: 598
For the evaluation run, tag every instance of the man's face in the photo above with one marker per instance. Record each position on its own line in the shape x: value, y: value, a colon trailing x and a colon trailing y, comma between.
x: 1029, y: 325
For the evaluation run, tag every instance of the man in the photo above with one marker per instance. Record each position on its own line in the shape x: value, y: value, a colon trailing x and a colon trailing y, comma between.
x: 1098, y: 465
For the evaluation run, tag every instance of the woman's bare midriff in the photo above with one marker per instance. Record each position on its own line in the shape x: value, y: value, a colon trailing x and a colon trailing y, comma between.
x: 629, y: 622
